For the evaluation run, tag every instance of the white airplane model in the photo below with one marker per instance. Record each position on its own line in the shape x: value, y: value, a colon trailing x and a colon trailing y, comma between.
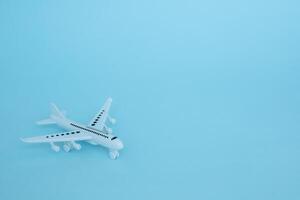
x: 96, y: 133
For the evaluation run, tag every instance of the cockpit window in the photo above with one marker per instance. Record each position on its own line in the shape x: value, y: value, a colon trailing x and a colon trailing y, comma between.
x: 113, y: 138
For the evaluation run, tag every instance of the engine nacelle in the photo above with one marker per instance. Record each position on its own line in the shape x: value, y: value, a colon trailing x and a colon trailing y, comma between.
x: 109, y: 130
x: 76, y: 145
x: 54, y: 147
x: 112, y: 120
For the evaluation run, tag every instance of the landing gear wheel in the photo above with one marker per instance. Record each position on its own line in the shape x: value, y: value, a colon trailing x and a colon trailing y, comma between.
x: 67, y: 147
x: 113, y: 154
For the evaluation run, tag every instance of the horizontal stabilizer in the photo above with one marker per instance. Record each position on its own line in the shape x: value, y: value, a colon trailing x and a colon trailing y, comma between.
x: 56, y: 115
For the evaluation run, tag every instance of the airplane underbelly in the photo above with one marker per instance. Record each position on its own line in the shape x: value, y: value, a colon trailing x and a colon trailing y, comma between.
x: 103, y: 142
x: 92, y: 142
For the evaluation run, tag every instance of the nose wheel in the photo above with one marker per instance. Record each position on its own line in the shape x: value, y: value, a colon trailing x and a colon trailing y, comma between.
x: 113, y: 154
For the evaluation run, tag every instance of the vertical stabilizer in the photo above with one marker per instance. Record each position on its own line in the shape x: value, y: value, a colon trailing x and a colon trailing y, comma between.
x: 56, y: 114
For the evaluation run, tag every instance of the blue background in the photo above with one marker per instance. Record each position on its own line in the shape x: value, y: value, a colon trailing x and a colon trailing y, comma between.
x: 206, y: 94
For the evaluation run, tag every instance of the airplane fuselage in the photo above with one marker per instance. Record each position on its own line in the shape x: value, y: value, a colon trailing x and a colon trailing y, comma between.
x: 99, y: 137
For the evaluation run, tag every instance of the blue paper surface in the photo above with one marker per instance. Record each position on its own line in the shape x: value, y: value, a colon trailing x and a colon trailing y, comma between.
x: 206, y: 94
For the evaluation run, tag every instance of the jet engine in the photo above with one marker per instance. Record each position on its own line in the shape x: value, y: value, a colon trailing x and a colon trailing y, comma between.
x: 55, y: 147
x: 112, y: 120
x: 76, y: 145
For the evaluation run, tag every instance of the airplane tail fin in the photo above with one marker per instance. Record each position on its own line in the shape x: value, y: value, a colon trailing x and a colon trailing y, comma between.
x: 56, y: 114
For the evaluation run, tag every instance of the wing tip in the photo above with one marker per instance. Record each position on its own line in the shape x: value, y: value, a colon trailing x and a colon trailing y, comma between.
x: 24, y: 139
x: 109, y: 99
x: 27, y: 140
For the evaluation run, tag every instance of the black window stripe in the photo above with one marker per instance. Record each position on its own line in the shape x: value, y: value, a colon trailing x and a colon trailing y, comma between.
x: 88, y: 130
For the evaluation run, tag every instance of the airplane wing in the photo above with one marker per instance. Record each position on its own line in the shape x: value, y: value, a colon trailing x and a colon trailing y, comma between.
x: 99, y: 120
x: 59, y: 137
